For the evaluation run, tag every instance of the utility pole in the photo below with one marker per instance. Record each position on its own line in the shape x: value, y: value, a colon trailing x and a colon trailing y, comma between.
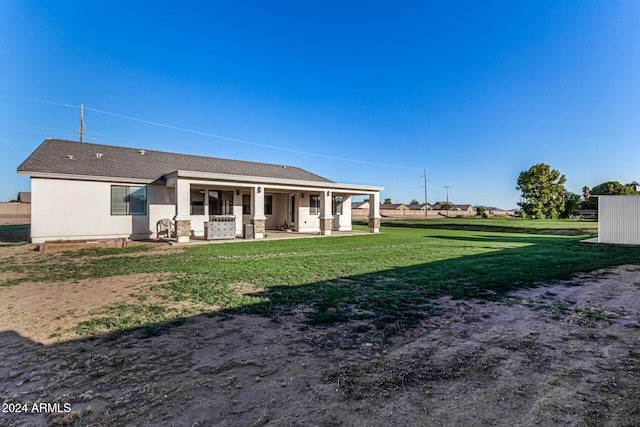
x: 425, y: 186
x: 82, y: 127
x: 426, y: 200
x: 447, y: 187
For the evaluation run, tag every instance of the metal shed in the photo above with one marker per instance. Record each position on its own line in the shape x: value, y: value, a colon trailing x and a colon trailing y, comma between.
x: 619, y: 219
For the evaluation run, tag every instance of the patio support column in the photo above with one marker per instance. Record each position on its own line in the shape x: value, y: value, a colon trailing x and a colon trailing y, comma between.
x: 257, y: 211
x: 183, y: 210
x: 374, y: 212
x: 326, y: 218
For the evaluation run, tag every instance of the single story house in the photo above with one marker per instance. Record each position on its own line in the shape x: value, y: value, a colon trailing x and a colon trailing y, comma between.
x: 392, y: 209
x: 24, y: 197
x: 92, y: 191
x: 619, y: 219
x: 360, y: 205
x: 419, y: 207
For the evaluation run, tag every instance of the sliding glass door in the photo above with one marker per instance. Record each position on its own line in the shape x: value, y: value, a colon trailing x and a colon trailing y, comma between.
x: 220, y: 202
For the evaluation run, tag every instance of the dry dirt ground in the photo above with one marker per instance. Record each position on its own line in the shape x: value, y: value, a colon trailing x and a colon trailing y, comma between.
x: 567, y: 354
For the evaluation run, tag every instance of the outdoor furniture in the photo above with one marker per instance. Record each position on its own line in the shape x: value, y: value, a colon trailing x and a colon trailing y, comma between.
x: 165, y: 227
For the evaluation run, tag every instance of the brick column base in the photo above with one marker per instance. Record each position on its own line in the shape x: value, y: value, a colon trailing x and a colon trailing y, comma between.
x: 258, y: 228
x: 183, y: 230
x: 374, y: 225
x: 326, y: 225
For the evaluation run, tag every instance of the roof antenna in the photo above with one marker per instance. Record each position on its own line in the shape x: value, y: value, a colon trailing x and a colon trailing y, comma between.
x: 82, y: 126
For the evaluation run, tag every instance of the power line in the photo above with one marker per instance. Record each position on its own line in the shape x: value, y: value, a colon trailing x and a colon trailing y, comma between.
x: 212, y: 135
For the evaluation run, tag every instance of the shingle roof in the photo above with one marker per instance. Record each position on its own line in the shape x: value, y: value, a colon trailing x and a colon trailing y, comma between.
x: 24, y: 196
x: 358, y: 205
x: 75, y: 158
x: 416, y: 207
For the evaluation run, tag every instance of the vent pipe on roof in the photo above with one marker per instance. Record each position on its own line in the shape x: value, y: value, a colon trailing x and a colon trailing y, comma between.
x: 98, y: 155
x: 70, y: 157
x: 142, y: 152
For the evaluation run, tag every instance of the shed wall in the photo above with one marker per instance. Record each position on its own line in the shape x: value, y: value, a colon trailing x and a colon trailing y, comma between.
x: 619, y: 219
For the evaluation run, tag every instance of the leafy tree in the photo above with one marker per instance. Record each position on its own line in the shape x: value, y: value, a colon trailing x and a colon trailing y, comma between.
x: 414, y: 202
x: 387, y: 201
x: 609, y: 188
x: 612, y: 188
x: 480, y: 210
x: 542, y: 190
x: 588, y: 202
x: 571, y: 204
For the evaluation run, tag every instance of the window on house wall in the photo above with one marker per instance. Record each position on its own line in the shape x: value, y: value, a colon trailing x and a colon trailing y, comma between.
x: 197, y: 202
x: 314, y: 204
x: 246, y: 204
x: 268, y: 205
x: 220, y: 202
x: 128, y: 200
x: 336, y: 205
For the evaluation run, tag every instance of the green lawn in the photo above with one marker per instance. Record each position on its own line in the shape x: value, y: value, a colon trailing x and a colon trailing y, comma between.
x: 391, y: 277
x: 515, y: 225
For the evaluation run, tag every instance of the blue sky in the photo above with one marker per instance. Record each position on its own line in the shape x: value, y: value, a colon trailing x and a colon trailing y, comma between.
x: 475, y: 92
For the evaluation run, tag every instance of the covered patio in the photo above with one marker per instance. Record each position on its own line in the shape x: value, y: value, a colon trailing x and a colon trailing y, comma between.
x: 267, y: 205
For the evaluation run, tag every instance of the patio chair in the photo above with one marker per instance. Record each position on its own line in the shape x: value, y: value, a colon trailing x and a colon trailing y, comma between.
x: 165, y: 227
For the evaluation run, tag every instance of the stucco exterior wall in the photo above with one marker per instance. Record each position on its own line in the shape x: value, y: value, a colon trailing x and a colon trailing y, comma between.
x: 160, y: 205
x: 279, y: 214
x: 342, y: 222
x: 305, y: 221
x: 619, y: 219
x: 71, y: 210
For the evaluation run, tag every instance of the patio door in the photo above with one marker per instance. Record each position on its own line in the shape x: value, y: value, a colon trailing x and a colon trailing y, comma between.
x: 220, y: 202
x: 292, y: 212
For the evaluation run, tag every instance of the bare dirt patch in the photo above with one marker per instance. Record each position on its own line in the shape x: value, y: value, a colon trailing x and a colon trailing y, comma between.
x: 566, y: 354
x: 49, y: 312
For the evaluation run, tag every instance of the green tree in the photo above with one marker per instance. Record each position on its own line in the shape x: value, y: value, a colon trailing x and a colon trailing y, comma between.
x: 609, y: 188
x: 387, y: 201
x: 414, y: 202
x: 571, y: 204
x: 613, y: 188
x: 542, y: 191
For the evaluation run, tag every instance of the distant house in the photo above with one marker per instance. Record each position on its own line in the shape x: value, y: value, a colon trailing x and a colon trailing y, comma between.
x: 24, y: 197
x: 360, y: 205
x: 464, y: 208
x: 419, y: 207
x: 454, y: 207
x: 393, y: 206
x: 392, y: 209
x: 89, y: 191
